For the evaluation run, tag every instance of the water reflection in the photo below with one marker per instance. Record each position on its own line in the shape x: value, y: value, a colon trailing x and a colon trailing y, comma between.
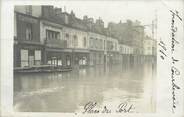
x: 70, y: 91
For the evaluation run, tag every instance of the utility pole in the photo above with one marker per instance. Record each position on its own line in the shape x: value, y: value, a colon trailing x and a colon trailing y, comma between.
x: 156, y: 21
x: 153, y: 26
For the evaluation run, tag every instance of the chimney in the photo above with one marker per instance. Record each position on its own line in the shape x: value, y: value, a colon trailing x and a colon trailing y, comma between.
x: 85, y: 17
x: 72, y: 13
x: 58, y: 11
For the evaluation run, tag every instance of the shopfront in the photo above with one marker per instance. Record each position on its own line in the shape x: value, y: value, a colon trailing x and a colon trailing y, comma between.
x: 27, y: 55
x: 59, y: 57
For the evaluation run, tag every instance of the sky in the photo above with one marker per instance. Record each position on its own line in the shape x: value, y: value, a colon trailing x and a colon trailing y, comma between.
x: 114, y: 11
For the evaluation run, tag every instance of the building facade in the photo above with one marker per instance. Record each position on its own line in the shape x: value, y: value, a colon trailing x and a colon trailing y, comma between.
x: 45, y: 35
x: 150, y: 48
x: 97, y: 48
x: 28, y: 48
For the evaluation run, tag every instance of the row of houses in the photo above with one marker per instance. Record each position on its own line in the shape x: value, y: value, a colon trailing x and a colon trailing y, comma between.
x: 44, y: 35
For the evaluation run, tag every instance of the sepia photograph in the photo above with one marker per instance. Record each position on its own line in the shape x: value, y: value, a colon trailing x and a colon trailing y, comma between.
x: 87, y: 57
x: 73, y: 58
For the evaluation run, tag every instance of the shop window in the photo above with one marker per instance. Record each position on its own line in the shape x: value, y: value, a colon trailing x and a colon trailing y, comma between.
x: 29, y: 31
x: 68, y: 60
x: 54, y: 61
x: 60, y: 62
x: 49, y: 62
x: 84, y: 60
x: 80, y: 61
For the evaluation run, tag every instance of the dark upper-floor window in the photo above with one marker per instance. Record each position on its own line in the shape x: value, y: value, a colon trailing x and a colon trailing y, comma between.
x: 75, y: 40
x: 52, y: 34
x: 28, y: 32
x: 91, y: 42
x: 67, y: 36
x: 85, y: 42
x: 29, y: 9
x: 101, y: 44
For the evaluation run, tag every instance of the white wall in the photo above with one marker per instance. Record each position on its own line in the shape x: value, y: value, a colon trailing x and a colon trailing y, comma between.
x: 148, y: 43
x: 114, y: 41
x: 99, y: 37
x: 80, y: 36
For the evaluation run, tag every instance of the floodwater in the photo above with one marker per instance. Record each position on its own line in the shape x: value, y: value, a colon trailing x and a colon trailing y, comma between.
x: 70, y: 91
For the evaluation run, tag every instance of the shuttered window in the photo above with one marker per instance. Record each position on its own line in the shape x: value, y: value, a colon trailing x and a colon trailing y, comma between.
x: 37, y: 57
x: 24, y: 57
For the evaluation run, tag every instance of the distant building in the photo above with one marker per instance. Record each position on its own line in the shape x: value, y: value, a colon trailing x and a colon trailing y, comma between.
x: 128, y: 33
x: 124, y: 49
x: 150, y: 46
x: 96, y: 46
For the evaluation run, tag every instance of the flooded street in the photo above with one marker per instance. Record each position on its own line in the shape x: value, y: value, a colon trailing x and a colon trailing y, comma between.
x: 71, y: 91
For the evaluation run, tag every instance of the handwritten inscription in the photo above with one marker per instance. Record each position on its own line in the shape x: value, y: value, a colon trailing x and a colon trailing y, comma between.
x: 125, y: 108
x: 175, y: 72
x: 91, y: 108
x: 162, y: 50
x: 174, y: 29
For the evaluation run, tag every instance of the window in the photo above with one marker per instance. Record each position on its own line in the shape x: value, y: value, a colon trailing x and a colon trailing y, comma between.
x: 101, y: 44
x: 91, y: 42
x: 67, y: 36
x: 52, y: 34
x: 104, y: 44
x: 75, y: 41
x: 68, y: 60
x: 49, y: 62
x: 28, y: 32
x: 29, y: 10
x: 96, y: 43
x: 84, y: 42
x: 54, y: 61
x: 84, y: 61
x: 60, y: 62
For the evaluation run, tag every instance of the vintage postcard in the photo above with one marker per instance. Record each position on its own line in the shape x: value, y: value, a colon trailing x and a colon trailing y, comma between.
x: 92, y: 58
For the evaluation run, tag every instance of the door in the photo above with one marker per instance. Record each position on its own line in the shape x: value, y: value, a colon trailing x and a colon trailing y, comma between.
x: 31, y: 61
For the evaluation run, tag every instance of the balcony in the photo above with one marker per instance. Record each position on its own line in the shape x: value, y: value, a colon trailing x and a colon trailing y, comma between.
x: 56, y: 43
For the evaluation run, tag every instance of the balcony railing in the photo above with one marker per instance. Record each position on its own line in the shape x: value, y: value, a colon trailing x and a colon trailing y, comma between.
x: 56, y: 43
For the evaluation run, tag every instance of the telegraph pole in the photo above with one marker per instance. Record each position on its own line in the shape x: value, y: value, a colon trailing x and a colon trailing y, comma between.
x: 156, y: 21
